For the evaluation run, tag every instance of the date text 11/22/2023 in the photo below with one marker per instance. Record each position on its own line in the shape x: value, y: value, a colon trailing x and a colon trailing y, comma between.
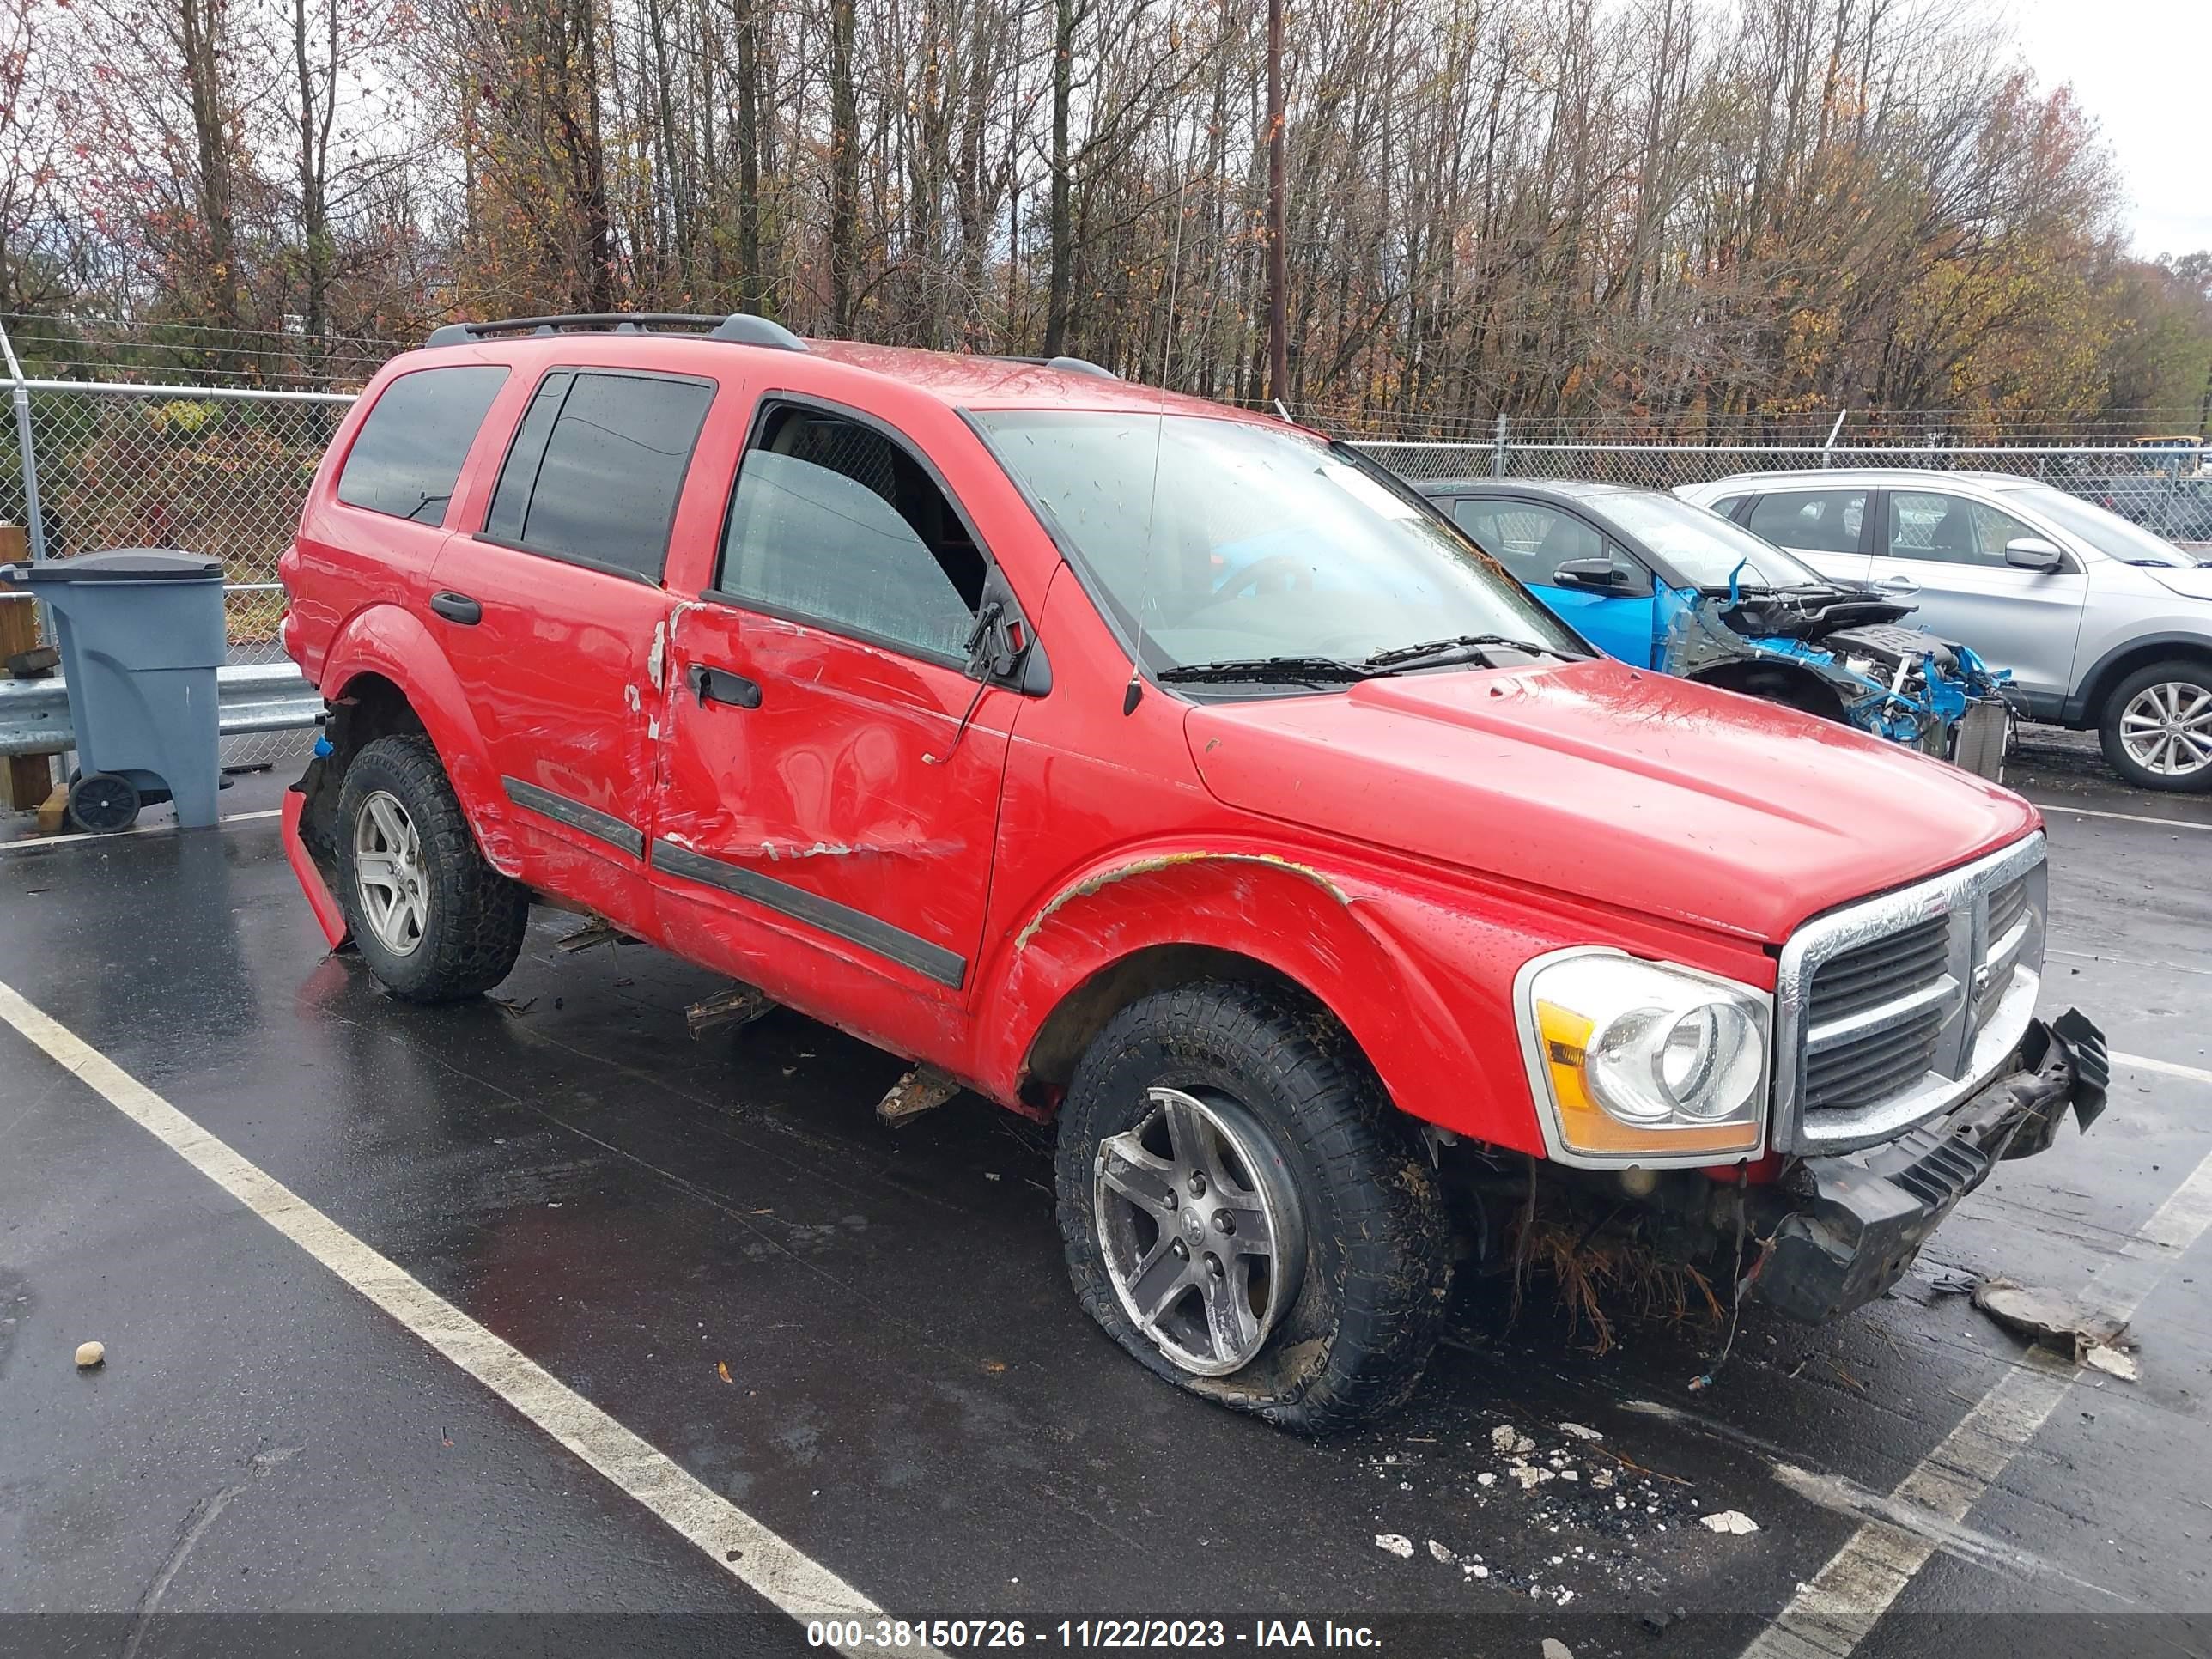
x: 894, y: 1635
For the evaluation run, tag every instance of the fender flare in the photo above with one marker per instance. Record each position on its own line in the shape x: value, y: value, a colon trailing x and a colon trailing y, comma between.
x: 390, y: 642
x: 1326, y: 932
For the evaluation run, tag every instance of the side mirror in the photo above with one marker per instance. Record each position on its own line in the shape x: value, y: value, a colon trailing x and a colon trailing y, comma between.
x: 1597, y: 575
x: 2033, y: 553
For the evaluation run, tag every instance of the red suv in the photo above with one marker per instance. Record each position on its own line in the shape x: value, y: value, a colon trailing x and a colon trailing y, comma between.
x: 1173, y: 773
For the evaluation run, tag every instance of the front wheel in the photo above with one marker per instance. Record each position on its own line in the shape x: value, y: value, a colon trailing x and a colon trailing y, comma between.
x: 2157, y: 727
x: 1243, y: 1212
x: 430, y: 917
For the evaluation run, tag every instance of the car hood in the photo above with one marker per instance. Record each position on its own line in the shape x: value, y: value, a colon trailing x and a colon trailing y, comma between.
x: 2190, y: 581
x: 1625, y: 787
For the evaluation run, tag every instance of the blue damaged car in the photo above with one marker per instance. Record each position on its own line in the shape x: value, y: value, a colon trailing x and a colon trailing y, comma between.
x: 1656, y: 581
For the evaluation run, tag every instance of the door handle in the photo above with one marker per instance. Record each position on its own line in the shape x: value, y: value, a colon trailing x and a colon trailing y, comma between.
x: 1897, y: 584
x: 719, y: 685
x: 457, y: 608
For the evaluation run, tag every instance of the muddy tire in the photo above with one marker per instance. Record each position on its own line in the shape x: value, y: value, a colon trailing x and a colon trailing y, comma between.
x: 429, y: 916
x: 2156, y: 727
x: 1250, y: 1108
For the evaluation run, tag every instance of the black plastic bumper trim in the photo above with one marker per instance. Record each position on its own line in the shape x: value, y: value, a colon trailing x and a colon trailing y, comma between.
x: 1848, y: 1226
x: 871, y: 933
x: 599, y: 826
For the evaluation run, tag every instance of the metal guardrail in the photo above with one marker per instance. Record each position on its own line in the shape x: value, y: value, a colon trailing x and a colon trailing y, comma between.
x: 256, y: 696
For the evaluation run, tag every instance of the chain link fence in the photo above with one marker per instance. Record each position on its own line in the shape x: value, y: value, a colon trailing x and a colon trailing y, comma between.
x: 2165, y: 488
x: 225, y: 471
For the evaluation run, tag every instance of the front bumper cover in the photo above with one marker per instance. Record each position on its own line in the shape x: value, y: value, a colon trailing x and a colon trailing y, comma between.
x: 1840, y: 1230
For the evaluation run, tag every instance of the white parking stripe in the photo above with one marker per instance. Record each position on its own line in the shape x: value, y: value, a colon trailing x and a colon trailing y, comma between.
x: 741, y: 1545
x: 2122, y: 818
x: 31, y: 843
x: 2145, y: 1063
x: 1845, y: 1600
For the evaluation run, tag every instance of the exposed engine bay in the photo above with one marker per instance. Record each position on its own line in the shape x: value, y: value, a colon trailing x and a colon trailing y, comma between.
x: 1898, y: 683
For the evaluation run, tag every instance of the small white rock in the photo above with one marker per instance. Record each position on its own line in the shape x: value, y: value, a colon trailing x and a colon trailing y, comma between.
x: 1485, y: 1478
x: 1397, y: 1543
x: 89, y: 1354
x: 1441, y: 1552
x: 1734, y: 1521
x: 1502, y: 1437
x: 1580, y: 1431
x: 1570, y: 1475
x: 1476, y: 1570
x: 1555, y: 1649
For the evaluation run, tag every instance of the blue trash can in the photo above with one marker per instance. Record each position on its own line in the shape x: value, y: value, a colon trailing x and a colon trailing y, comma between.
x: 141, y: 633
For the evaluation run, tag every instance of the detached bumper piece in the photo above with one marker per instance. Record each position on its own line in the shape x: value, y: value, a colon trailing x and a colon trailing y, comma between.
x: 1844, y: 1228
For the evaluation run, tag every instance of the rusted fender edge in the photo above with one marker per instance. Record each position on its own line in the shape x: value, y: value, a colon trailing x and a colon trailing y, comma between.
x: 1120, y: 872
x: 1357, y: 948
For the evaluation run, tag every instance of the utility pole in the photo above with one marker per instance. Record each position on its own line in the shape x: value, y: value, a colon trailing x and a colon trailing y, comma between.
x: 1279, y: 306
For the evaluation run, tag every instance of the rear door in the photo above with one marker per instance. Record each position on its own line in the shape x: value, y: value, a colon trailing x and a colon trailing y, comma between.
x: 1945, y: 554
x: 1829, y: 529
x: 1533, y: 538
x: 831, y: 773
x: 550, y: 615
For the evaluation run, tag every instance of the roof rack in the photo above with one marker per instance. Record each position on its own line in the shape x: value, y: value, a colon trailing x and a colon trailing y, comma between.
x: 741, y: 327
x: 1072, y: 365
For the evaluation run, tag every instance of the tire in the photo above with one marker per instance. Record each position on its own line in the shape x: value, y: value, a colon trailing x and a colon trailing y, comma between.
x: 2156, y: 727
x: 1358, y: 1298
x: 464, y: 922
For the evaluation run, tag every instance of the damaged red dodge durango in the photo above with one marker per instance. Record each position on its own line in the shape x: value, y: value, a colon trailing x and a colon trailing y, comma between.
x: 1175, y: 775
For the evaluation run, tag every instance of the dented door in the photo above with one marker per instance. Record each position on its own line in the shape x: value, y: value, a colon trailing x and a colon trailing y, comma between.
x: 825, y: 824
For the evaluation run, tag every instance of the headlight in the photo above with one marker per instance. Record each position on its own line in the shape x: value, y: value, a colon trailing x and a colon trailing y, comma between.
x: 1640, y: 1062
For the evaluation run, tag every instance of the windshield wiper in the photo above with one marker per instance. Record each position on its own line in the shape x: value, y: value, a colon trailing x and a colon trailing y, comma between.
x: 1286, y: 671
x: 1433, y: 654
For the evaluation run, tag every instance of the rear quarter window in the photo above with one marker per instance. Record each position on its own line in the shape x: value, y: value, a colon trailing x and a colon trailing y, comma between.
x: 407, y: 456
x: 597, y: 467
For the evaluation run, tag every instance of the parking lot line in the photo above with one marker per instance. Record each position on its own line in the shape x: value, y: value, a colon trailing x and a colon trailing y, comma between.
x: 2145, y: 1063
x: 28, y: 842
x: 2123, y: 818
x: 744, y: 1547
x: 1838, y: 1608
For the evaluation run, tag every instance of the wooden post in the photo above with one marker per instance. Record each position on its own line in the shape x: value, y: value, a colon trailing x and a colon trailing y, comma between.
x: 29, y: 778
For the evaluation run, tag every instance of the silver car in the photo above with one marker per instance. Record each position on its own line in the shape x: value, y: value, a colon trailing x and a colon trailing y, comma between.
x: 2103, y: 624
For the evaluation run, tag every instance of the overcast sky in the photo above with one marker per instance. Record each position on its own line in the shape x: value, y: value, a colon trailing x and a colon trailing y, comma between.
x: 2143, y: 69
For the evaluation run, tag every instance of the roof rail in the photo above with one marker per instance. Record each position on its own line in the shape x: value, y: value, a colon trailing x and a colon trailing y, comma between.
x: 741, y: 327
x: 1071, y: 364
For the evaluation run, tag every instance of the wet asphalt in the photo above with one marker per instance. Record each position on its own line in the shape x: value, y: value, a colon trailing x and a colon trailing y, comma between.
x: 865, y: 1339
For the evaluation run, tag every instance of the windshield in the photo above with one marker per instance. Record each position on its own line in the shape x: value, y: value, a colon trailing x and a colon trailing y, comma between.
x: 1258, y: 542
x: 1700, y: 546
x: 2107, y: 531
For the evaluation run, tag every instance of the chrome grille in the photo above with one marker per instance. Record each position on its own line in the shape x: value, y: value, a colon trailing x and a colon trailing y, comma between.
x: 1889, y: 1011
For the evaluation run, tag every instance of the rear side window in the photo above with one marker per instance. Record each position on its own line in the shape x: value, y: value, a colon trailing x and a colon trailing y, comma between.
x: 1814, y: 520
x: 834, y: 523
x: 408, y: 453
x: 598, y: 462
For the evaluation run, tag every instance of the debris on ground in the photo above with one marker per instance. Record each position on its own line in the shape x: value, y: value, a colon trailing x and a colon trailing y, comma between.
x: 1580, y: 1431
x: 597, y: 931
x: 2057, y: 1321
x: 89, y: 1354
x: 1555, y: 1649
x: 1735, y: 1523
x: 1397, y: 1543
x: 740, y: 1006
x: 1441, y: 1552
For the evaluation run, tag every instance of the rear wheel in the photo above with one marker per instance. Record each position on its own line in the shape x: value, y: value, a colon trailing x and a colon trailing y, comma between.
x: 431, y: 918
x: 2157, y: 727
x: 1243, y: 1211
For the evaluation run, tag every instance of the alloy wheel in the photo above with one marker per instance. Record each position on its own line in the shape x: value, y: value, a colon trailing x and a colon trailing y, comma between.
x: 388, y: 874
x: 1199, y: 1228
x: 2166, y: 728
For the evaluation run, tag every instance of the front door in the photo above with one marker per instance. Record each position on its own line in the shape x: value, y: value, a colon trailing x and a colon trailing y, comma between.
x: 831, y: 804
x: 1945, y: 554
x: 549, y: 616
x: 1533, y: 539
